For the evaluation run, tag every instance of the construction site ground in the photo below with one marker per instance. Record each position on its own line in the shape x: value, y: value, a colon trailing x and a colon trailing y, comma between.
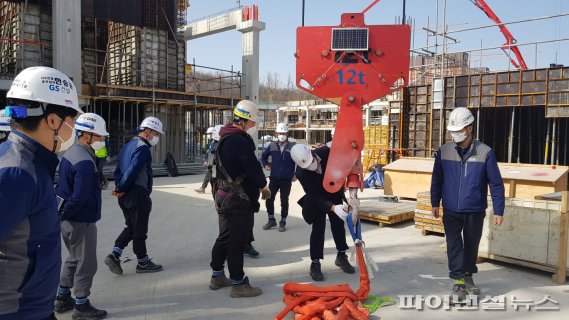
x: 183, y: 227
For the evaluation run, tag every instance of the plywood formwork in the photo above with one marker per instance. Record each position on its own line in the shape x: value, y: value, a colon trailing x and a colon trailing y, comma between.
x: 408, y: 176
x: 27, y: 30
x: 534, y: 234
x: 386, y: 213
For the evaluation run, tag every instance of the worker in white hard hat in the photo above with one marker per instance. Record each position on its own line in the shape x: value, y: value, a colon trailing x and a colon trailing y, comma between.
x: 213, y: 136
x: 240, y: 180
x: 42, y: 103
x: 79, y: 195
x: 317, y: 203
x: 281, y: 177
x: 133, y: 185
x: 4, y: 126
x: 464, y: 169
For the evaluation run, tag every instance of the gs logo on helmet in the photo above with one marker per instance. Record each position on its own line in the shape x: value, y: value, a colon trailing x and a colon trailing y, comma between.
x: 54, y: 87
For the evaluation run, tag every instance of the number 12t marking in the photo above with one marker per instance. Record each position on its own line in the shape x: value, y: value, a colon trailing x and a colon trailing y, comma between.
x: 353, y: 76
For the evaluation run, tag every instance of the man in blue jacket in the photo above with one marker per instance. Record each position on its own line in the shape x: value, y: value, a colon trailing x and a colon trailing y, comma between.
x: 79, y: 195
x: 462, y: 172
x: 133, y: 185
x: 30, y: 244
x: 282, y: 175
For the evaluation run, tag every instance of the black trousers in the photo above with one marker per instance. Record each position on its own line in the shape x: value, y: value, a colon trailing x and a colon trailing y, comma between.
x: 235, y: 231
x: 463, y: 232
x: 136, y: 206
x: 317, y: 234
x: 284, y: 185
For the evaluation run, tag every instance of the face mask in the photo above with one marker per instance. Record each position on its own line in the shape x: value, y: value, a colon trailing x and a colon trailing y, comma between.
x: 282, y: 137
x: 65, y: 145
x: 458, y: 136
x: 98, y: 145
x: 154, y: 141
x: 252, y: 132
x: 313, y: 166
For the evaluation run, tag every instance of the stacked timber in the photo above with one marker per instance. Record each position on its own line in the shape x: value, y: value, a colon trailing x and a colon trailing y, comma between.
x: 376, y: 140
x: 424, y: 219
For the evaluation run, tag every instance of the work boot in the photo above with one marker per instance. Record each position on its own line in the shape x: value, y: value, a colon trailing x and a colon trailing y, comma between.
x: 87, y: 312
x: 282, y: 226
x: 200, y: 190
x: 219, y: 282
x: 342, y: 262
x: 244, y: 290
x: 316, y: 272
x: 458, y: 294
x: 148, y: 267
x: 113, y: 263
x: 470, y: 286
x: 271, y: 224
x: 63, y: 303
x: 250, y: 251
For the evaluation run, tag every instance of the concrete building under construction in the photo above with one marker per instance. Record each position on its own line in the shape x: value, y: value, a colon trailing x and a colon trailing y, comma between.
x: 127, y: 59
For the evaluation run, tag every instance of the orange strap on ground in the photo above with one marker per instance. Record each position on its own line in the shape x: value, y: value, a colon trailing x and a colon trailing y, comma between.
x: 336, y: 302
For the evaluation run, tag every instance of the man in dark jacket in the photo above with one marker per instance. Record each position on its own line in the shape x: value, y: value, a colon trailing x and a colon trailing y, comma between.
x: 79, y: 195
x: 282, y: 175
x: 318, y: 203
x: 240, y: 179
x: 462, y: 172
x: 30, y: 240
x: 133, y: 185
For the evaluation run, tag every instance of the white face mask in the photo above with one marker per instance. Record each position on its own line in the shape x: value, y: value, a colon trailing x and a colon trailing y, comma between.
x: 282, y: 137
x: 98, y: 145
x: 252, y: 132
x: 313, y: 166
x: 458, y: 136
x: 65, y: 145
x: 154, y: 141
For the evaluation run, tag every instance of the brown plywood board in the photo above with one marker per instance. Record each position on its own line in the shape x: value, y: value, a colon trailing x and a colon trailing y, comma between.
x: 386, y: 212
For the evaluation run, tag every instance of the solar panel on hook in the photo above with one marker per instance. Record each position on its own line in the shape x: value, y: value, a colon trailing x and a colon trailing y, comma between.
x: 350, y: 39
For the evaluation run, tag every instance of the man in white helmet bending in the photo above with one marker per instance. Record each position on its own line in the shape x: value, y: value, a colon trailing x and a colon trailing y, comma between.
x: 318, y: 203
x: 133, y: 185
x: 79, y: 192
x: 463, y: 170
x: 43, y: 104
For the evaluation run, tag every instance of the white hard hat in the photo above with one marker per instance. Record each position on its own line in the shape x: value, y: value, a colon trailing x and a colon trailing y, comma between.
x: 152, y: 123
x: 282, y: 128
x: 301, y: 155
x: 93, y: 123
x: 247, y: 109
x: 209, y: 130
x: 45, y: 85
x: 459, y: 118
x: 4, y: 121
x: 215, y: 133
x: 332, y: 131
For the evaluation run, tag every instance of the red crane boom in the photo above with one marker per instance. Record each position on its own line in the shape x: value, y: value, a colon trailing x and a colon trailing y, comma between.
x: 510, y: 44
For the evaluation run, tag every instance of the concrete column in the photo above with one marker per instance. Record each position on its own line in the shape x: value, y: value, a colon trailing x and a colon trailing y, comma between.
x: 367, y: 115
x: 250, y: 60
x: 67, y: 39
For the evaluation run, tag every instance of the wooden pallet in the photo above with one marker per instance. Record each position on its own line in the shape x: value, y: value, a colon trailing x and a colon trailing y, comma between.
x: 386, y: 213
